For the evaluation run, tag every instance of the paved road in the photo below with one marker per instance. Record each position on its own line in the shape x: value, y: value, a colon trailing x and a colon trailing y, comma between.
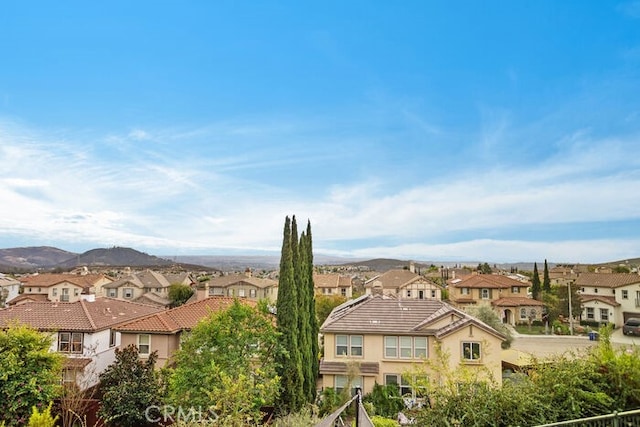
x: 548, y: 345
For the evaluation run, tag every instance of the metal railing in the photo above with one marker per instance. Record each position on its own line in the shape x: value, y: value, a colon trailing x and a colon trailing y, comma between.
x: 617, y: 419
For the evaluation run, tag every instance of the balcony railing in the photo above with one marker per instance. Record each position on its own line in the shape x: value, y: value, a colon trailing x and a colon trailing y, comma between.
x: 629, y: 418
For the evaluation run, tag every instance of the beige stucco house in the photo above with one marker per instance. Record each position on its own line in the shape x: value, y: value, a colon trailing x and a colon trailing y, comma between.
x: 383, y: 338
x: 240, y: 285
x: 403, y: 284
x: 506, y: 295
x: 148, y: 287
x: 162, y: 331
x: 609, y: 297
x: 333, y: 284
x: 59, y: 287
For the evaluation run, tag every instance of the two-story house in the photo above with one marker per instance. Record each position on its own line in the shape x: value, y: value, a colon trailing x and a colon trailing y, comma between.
x: 507, y: 296
x: 403, y: 284
x: 333, y: 284
x: 609, y: 297
x: 380, y: 339
x: 9, y: 289
x: 64, y: 287
x: 162, y: 331
x: 241, y: 285
x: 83, y: 331
x: 148, y: 287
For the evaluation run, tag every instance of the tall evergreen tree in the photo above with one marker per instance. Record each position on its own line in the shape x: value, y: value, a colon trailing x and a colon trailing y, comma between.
x: 313, y: 320
x: 290, y: 364
x: 304, y: 319
x: 535, y: 282
x: 546, y: 281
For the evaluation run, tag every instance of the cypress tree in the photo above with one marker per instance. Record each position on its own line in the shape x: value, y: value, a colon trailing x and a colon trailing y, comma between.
x: 313, y: 320
x: 290, y: 365
x: 546, y: 281
x: 535, y: 282
x: 304, y: 320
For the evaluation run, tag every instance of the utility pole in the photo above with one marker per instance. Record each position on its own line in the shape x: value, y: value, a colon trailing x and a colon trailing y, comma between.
x: 570, y: 310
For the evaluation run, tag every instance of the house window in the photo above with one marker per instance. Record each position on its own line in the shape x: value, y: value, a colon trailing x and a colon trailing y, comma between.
x: 349, y: 345
x: 419, y: 347
x: 112, y: 293
x: 343, y: 292
x: 625, y: 294
x: 70, y: 342
x: 144, y: 344
x: 408, y: 293
x: 112, y: 338
x: 515, y: 289
x: 69, y: 376
x: 76, y: 292
x: 390, y: 346
x: 523, y: 313
x: 399, y: 381
x: 421, y: 294
x: 252, y: 293
x: 65, y: 295
x: 433, y: 293
x: 464, y: 291
x: 54, y: 292
x: 470, y: 351
x: 604, y: 314
x: 127, y: 293
x: 405, y: 347
x: 533, y: 313
x: 230, y: 292
x: 484, y: 293
x: 342, y: 381
x: 241, y: 293
x: 590, y: 313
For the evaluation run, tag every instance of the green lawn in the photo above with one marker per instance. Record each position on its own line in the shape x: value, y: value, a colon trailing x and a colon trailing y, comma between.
x: 530, y: 330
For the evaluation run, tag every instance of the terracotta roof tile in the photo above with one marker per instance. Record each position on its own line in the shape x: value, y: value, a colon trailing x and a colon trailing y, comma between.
x: 489, y: 281
x: 607, y: 280
x: 45, y: 280
x: 184, y: 317
x: 605, y: 299
x: 86, y: 316
x: 232, y: 279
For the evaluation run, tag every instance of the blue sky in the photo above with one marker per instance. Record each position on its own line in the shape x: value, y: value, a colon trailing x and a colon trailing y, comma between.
x: 429, y: 130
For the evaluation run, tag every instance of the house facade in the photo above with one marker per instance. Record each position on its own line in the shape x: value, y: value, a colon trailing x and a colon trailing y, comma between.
x: 403, y: 284
x: 507, y: 296
x: 333, y: 284
x: 240, y: 285
x: 162, y: 331
x: 82, y: 331
x: 9, y: 289
x: 609, y: 297
x: 148, y: 287
x: 59, y: 287
x: 380, y: 339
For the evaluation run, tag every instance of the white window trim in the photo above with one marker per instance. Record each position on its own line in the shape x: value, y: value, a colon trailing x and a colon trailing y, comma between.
x: 148, y: 344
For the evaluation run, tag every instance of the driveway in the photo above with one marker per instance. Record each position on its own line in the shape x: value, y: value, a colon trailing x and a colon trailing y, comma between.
x: 542, y: 346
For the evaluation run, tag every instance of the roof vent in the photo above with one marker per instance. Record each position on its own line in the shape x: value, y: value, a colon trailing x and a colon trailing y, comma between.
x: 374, y: 322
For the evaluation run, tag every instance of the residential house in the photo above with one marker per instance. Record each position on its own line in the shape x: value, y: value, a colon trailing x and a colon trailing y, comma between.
x: 562, y: 275
x: 9, y: 289
x: 147, y: 287
x: 383, y: 338
x: 507, y: 296
x: 609, y: 297
x: 162, y: 331
x: 241, y: 285
x: 403, y: 284
x: 333, y: 284
x: 83, y: 331
x: 59, y: 287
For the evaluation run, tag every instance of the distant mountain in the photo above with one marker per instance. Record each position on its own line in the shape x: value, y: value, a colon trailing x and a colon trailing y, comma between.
x: 33, y: 257
x: 116, y: 256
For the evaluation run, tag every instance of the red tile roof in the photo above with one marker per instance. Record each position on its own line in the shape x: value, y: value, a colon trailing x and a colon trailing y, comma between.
x: 45, y: 280
x: 331, y: 280
x: 488, y: 281
x: 85, y: 316
x: 180, y: 318
x: 607, y: 280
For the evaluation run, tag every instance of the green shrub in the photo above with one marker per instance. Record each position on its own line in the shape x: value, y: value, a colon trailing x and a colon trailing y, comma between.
x: 42, y: 419
x: 386, y: 400
x: 379, y: 421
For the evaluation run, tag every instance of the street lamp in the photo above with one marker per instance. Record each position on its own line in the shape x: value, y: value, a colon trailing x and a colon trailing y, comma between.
x: 570, y: 311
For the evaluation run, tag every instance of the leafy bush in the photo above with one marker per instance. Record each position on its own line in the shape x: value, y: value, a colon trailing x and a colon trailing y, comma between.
x: 42, y: 419
x: 379, y: 421
x: 386, y: 400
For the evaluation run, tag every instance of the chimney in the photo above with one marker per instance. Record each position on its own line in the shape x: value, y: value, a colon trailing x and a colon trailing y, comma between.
x: 412, y: 267
x: 376, y: 289
x: 247, y: 272
x: 88, y: 297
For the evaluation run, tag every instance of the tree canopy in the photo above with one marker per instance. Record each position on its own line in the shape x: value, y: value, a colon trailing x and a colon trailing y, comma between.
x: 29, y: 373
